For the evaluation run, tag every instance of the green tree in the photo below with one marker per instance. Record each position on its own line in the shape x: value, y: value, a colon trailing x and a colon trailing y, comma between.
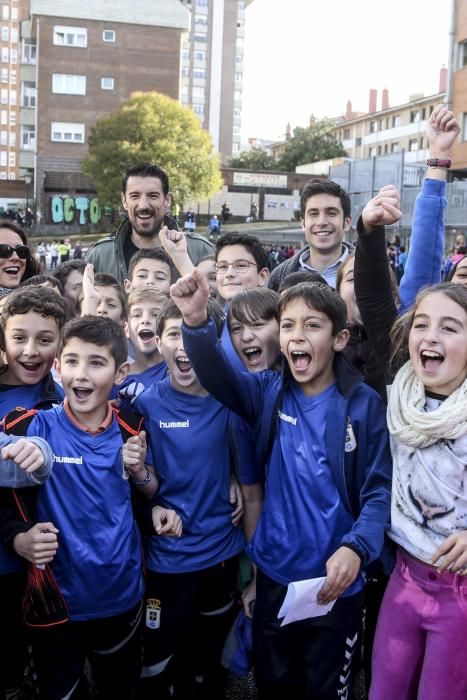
x: 255, y: 159
x: 151, y: 127
x: 310, y: 144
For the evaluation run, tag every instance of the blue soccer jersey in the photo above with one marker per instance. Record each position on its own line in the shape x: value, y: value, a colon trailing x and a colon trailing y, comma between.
x: 189, y: 438
x: 88, y: 499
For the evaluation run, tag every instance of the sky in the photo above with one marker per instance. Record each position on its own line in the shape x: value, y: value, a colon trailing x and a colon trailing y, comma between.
x: 307, y: 57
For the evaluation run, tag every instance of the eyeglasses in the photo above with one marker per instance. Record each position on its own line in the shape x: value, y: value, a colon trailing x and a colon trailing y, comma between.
x: 239, y: 266
x: 22, y: 251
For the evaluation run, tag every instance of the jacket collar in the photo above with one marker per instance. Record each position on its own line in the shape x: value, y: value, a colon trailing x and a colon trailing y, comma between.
x: 124, y: 228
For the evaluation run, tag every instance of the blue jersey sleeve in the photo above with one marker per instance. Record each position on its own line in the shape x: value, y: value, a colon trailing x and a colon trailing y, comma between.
x: 12, y: 476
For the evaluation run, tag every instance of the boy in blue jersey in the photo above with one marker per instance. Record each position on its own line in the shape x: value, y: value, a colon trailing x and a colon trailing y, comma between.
x: 323, y: 435
x: 30, y: 324
x: 91, y: 540
x: 144, y: 305
x: 191, y: 580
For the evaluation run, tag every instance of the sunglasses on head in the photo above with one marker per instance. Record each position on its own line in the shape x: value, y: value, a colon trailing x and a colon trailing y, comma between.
x: 21, y: 250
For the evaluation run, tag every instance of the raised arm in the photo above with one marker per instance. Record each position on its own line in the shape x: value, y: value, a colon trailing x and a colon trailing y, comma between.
x: 425, y: 256
x: 175, y: 245
x: 241, y: 392
x: 372, y: 277
x: 24, y: 461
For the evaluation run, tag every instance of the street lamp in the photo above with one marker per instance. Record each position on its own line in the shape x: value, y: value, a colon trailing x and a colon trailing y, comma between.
x: 27, y: 180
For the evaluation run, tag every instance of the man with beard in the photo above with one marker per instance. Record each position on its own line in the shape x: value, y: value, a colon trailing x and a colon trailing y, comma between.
x: 146, y: 199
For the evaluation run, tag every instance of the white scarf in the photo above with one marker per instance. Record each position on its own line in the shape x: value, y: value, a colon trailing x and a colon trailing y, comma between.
x: 407, y: 419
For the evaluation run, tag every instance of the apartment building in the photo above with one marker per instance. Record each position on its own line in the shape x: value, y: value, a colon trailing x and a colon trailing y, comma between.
x: 12, y: 12
x: 389, y: 129
x: 83, y: 60
x: 457, y: 87
x: 212, y: 69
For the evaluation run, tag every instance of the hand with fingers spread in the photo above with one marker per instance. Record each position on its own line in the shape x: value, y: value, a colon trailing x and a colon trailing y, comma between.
x: 453, y: 552
x: 236, y: 501
x: 38, y: 545
x: 25, y: 454
x: 166, y: 522
x: 382, y: 210
x: 191, y: 294
x: 442, y: 130
x: 341, y: 571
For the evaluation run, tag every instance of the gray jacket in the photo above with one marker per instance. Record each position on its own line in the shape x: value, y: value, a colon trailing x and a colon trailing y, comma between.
x: 107, y: 254
x: 12, y: 476
x: 293, y: 265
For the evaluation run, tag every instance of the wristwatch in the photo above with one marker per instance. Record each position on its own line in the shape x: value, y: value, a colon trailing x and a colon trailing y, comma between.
x: 439, y: 163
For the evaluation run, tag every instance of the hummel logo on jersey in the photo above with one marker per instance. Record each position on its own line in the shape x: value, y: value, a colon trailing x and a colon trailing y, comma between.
x: 288, y: 419
x: 68, y: 460
x: 174, y: 423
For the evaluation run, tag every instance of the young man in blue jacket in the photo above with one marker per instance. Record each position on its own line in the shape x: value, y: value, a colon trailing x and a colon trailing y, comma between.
x: 322, y: 436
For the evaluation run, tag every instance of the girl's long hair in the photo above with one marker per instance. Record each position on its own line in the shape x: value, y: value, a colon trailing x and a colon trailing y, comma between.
x: 401, y: 328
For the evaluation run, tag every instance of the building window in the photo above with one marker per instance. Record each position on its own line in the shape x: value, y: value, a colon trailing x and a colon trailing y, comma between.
x: 63, y: 84
x: 107, y: 83
x: 413, y: 144
x: 3, y: 158
x: 5, y: 33
x: 5, y: 12
x: 421, y: 142
x: 198, y: 109
x: 4, y: 96
x: 12, y: 138
x: 358, y: 141
x: 199, y: 55
x: 385, y: 147
x: 14, y: 56
x: 423, y: 113
x: 396, y: 120
x: 4, y: 75
x: 29, y: 93
x: 5, y: 54
x: 3, y: 138
x: 395, y: 147
x: 14, y: 35
x: 346, y: 134
x: 462, y: 48
x: 12, y: 159
x: 380, y: 150
x: 109, y: 35
x: 3, y: 175
x: 66, y: 132
x: 3, y: 117
x: 373, y: 127
x: 372, y: 151
x: 14, y: 14
x: 414, y: 116
x: 28, y: 137
x: 13, y: 77
x: 71, y: 36
x: 202, y: 3
x: 198, y: 73
x: 12, y: 118
x: 13, y: 97
x: 28, y: 51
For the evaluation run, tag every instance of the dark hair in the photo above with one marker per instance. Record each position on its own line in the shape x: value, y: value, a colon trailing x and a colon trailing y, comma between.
x: 64, y: 270
x: 99, y: 331
x: 320, y: 297
x: 298, y: 277
x: 205, y: 258
x: 453, y: 269
x: 39, y: 280
x: 39, y: 300
x: 316, y: 186
x: 32, y: 267
x: 147, y: 170
x: 250, y: 305
x: 252, y: 244
x: 171, y: 310
x: 151, y: 254
x: 401, y: 329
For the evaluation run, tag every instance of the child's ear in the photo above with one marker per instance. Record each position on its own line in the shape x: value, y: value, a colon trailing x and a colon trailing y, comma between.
x: 122, y: 372
x: 158, y: 343
x: 263, y: 276
x: 127, y: 285
x: 341, y: 340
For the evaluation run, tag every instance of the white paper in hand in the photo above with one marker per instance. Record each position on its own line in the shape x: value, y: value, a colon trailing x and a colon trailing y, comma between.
x: 301, y: 602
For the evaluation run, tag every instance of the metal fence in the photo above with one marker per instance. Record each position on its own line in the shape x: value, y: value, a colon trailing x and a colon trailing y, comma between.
x: 363, y: 179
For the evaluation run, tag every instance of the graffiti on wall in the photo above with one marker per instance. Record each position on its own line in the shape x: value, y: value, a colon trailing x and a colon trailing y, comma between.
x: 68, y: 210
